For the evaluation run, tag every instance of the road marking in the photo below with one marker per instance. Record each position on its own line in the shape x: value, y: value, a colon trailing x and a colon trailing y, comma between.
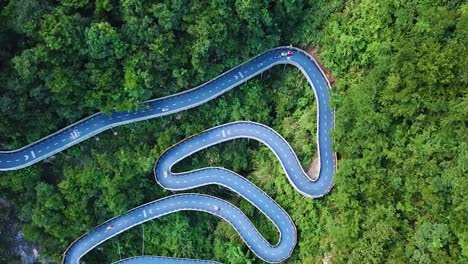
x: 224, y: 135
x: 240, y: 73
x: 33, y: 154
x: 144, y: 213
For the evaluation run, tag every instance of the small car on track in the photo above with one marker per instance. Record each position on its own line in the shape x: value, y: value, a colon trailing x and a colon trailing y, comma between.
x: 165, y: 109
x: 109, y: 227
x: 216, y: 208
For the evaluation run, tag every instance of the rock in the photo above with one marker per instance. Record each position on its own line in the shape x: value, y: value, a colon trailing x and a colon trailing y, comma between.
x: 314, y: 168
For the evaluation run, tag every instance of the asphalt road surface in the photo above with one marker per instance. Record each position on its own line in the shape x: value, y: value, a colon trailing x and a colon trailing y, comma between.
x: 88, y: 127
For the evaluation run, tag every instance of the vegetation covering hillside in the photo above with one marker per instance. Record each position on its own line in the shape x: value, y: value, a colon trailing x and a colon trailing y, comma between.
x: 401, y: 100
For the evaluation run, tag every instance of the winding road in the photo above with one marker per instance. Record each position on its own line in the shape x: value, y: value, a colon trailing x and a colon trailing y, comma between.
x: 88, y: 127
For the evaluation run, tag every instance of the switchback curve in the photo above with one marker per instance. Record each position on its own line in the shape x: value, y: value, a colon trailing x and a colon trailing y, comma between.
x: 88, y: 127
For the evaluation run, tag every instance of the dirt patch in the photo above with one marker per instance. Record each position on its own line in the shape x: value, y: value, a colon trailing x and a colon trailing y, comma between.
x: 314, y: 168
x: 327, y: 259
x: 313, y: 51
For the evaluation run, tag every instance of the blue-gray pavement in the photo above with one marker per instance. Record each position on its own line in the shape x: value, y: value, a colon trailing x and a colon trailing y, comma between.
x: 88, y: 127
x: 192, y: 202
x: 163, y: 260
x: 97, y: 123
x: 220, y: 176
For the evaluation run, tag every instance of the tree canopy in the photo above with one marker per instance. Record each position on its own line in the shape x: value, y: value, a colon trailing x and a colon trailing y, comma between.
x: 401, y: 124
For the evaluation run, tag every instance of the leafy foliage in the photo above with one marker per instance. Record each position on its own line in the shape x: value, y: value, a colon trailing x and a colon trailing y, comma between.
x: 401, y: 103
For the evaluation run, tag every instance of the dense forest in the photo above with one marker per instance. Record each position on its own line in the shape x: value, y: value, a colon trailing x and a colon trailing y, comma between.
x: 401, y: 134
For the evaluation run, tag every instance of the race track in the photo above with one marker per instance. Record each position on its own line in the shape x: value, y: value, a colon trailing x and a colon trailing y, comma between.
x: 86, y: 128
